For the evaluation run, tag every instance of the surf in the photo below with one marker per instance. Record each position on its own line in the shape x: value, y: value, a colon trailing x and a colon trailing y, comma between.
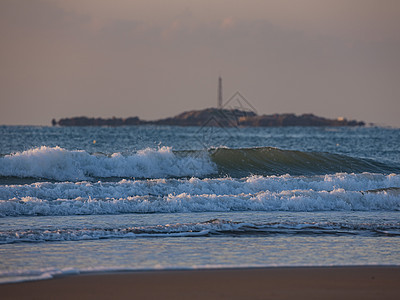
x: 59, y: 164
x: 274, y: 161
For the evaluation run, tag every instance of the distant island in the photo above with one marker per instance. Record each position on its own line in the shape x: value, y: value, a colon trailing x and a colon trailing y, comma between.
x: 215, y: 117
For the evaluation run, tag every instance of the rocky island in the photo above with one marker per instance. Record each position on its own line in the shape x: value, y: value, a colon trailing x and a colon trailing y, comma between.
x: 215, y: 117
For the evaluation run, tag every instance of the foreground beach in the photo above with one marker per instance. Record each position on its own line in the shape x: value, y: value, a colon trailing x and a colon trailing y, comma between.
x: 254, y: 283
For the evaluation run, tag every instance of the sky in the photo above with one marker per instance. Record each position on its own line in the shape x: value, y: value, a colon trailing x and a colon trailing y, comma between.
x: 157, y: 58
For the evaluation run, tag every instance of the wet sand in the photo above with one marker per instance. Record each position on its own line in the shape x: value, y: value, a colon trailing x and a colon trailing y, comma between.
x: 252, y: 283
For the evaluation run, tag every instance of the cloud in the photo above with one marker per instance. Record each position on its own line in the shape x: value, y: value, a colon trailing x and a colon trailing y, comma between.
x: 56, y: 64
x: 227, y: 23
x: 368, y: 20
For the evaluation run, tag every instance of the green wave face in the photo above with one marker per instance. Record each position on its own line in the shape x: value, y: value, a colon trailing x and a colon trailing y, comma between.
x: 273, y: 161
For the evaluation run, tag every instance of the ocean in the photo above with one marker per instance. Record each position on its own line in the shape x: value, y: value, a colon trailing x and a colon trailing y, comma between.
x: 91, y: 199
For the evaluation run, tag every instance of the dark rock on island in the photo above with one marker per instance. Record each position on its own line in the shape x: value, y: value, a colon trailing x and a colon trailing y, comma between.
x: 215, y: 117
x: 85, y: 121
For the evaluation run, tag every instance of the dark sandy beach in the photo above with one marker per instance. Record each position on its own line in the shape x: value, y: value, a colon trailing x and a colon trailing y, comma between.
x: 258, y: 283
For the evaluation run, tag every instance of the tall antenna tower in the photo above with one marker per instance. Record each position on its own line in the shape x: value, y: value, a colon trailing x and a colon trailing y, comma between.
x: 219, y: 92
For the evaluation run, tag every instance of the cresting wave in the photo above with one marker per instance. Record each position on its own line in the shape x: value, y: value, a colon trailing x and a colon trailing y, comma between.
x: 208, y: 228
x: 274, y: 161
x: 338, y: 192
x: 55, y: 163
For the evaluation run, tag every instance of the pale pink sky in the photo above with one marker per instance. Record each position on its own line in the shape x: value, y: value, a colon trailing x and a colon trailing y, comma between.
x: 154, y: 59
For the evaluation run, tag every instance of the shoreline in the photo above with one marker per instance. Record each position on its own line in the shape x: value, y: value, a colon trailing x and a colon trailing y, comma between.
x: 321, y: 282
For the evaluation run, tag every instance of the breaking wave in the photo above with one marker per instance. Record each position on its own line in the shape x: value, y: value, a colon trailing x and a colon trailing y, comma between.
x: 59, y: 164
x: 338, y: 192
x: 274, y: 161
x: 55, y: 163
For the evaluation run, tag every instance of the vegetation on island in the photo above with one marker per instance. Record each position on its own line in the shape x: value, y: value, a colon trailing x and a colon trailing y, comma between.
x: 215, y: 117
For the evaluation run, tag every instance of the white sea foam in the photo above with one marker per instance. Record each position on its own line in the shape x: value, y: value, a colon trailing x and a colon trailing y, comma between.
x: 39, y: 274
x: 195, y: 186
x: 362, y: 192
x: 60, y: 164
x: 48, y: 273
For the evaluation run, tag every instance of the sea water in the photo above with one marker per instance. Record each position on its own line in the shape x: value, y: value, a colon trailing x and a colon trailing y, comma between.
x: 80, y: 199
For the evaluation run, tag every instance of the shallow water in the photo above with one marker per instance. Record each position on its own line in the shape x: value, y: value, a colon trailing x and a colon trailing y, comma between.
x: 172, y: 197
